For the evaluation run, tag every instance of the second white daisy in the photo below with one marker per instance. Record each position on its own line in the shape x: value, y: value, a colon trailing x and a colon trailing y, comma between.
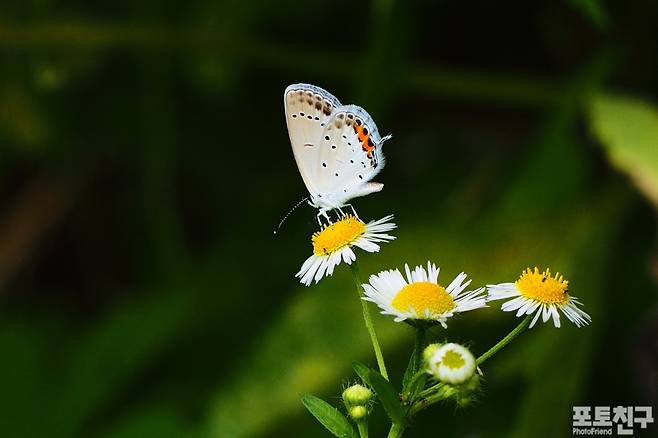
x: 420, y: 296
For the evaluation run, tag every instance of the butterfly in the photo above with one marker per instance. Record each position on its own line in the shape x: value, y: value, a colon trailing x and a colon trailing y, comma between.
x: 337, y: 147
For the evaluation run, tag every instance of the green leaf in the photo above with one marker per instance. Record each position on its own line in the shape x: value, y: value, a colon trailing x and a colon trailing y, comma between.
x: 412, y: 368
x: 388, y: 396
x: 329, y: 416
x: 628, y: 130
x: 362, y: 371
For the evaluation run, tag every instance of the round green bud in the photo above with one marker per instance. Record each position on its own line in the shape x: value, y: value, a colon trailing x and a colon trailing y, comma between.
x: 356, y: 395
x: 464, y: 401
x: 429, y: 351
x: 358, y: 412
x: 472, y: 384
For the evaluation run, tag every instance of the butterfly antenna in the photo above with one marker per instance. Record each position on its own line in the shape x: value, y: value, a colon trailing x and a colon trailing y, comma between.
x: 278, y: 227
x: 385, y: 138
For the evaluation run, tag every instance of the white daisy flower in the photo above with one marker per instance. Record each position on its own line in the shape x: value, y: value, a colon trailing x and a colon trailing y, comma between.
x: 451, y: 363
x: 334, y: 243
x: 538, y: 292
x: 419, y: 296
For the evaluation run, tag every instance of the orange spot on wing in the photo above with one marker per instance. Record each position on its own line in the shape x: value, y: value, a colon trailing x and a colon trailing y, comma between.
x: 366, y: 147
x: 363, y: 138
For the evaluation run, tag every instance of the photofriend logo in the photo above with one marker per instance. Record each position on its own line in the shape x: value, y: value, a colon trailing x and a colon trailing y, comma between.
x: 606, y: 420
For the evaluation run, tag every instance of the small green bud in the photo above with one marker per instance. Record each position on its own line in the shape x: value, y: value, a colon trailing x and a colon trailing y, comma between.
x: 467, y: 391
x: 472, y: 384
x: 428, y: 352
x: 356, y: 395
x: 358, y: 412
x: 464, y: 401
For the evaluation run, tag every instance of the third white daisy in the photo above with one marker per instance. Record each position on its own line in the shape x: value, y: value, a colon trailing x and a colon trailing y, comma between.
x: 542, y: 294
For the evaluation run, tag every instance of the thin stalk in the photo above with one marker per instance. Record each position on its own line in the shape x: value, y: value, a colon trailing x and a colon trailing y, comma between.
x: 367, y: 318
x: 362, y: 425
x: 396, y: 430
x: 431, y: 390
x: 421, y: 335
x: 444, y: 393
x: 412, y: 375
x: 506, y: 340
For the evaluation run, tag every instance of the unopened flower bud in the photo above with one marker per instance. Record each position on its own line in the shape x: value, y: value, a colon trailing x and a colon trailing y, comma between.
x: 467, y: 391
x: 428, y: 352
x: 452, y: 363
x: 358, y: 412
x: 356, y: 395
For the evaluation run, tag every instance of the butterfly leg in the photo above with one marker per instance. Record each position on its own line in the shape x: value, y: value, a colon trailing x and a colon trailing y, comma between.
x: 353, y: 211
x: 322, y: 213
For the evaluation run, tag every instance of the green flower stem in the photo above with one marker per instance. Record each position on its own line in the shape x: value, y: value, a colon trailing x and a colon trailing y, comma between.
x: 396, y: 430
x: 412, y: 376
x: 421, y: 336
x: 506, y: 340
x: 443, y: 393
x: 362, y: 425
x: 367, y: 318
x: 431, y: 390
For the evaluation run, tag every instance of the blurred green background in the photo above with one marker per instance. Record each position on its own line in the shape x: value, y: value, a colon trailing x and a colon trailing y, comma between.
x: 145, y: 162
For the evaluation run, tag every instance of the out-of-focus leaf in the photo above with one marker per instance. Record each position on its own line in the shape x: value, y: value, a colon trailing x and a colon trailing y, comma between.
x: 594, y: 11
x: 117, y: 349
x: 160, y: 421
x: 24, y: 378
x: 534, y: 179
x: 329, y: 416
x: 362, y: 371
x: 388, y: 396
x: 308, y: 347
x: 22, y: 120
x: 628, y: 130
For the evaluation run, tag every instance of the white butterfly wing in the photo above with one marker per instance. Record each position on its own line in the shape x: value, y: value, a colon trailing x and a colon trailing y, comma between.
x: 350, y: 155
x: 308, y: 110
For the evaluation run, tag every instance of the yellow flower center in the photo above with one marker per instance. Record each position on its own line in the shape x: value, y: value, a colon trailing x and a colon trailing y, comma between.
x: 542, y: 287
x: 423, y: 296
x: 337, y: 235
x: 453, y: 360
